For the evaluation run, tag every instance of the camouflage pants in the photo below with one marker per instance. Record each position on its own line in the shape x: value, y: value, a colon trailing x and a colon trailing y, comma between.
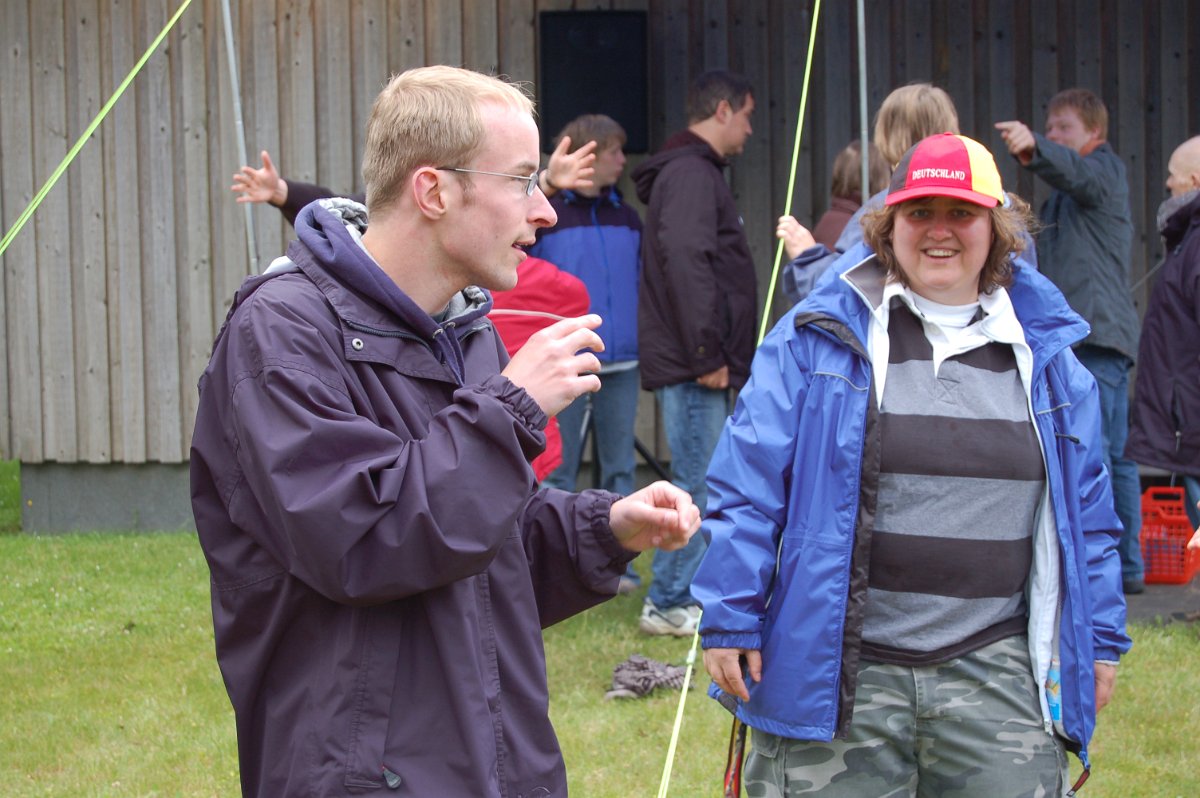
x: 968, y: 727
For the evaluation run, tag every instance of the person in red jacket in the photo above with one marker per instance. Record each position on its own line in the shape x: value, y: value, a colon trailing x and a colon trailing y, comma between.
x: 544, y: 294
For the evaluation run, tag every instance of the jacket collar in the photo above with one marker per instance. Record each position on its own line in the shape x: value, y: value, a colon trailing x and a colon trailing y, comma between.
x: 859, y: 292
x: 1180, y: 218
x: 330, y: 253
x: 609, y: 195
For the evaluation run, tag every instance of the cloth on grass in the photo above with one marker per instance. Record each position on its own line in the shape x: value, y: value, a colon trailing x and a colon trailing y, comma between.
x: 638, y: 676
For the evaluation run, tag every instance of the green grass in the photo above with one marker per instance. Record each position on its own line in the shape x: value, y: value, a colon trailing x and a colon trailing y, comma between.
x: 10, y: 497
x: 110, y: 687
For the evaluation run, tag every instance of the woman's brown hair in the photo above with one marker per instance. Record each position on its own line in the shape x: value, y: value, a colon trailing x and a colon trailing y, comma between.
x: 1010, y: 222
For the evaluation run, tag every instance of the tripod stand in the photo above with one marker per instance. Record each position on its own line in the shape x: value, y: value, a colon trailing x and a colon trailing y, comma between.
x: 587, y: 431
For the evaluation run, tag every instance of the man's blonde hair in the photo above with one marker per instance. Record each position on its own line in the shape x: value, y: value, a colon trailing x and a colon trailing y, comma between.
x: 909, y: 114
x: 428, y: 116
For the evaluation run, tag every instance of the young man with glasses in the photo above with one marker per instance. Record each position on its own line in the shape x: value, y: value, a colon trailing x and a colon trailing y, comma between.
x: 381, y: 561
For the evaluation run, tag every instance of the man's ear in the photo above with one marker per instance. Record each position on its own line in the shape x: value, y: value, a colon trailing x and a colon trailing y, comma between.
x: 723, y: 112
x: 429, y: 192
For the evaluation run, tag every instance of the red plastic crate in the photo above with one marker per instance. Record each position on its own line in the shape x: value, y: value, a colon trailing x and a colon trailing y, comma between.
x: 1165, y: 535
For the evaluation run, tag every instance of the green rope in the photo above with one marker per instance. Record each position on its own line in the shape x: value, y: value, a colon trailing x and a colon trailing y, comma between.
x: 691, y: 659
x: 812, y: 39
x: 91, y: 128
x: 687, y: 680
x: 762, y: 333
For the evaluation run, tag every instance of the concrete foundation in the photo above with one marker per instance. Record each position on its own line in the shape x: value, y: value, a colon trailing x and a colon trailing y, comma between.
x: 73, y: 497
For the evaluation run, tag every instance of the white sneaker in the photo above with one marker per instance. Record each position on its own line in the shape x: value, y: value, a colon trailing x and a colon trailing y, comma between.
x: 677, y: 621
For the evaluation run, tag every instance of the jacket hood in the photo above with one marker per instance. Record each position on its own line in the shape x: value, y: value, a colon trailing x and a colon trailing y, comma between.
x: 329, y: 252
x: 684, y: 144
x: 1049, y: 323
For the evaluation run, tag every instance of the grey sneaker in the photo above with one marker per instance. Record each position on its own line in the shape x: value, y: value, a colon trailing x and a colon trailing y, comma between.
x: 677, y: 621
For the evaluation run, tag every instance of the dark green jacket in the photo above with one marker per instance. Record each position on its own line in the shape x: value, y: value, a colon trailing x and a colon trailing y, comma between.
x: 1085, y: 242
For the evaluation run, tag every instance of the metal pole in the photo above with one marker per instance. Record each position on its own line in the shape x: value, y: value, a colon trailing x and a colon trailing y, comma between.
x: 241, y: 129
x: 862, y: 101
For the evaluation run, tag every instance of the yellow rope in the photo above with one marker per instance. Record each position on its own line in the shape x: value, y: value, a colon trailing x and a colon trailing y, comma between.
x: 91, y: 128
x: 687, y: 680
x: 787, y: 205
x: 691, y: 659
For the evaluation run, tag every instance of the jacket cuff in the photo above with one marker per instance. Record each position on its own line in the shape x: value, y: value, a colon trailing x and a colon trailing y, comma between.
x: 810, y: 255
x: 593, y: 513
x: 518, y: 401
x: 748, y: 640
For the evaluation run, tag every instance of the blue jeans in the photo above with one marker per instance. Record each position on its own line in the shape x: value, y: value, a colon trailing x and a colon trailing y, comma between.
x: 614, y: 411
x: 694, y: 417
x: 1111, y: 370
x: 1191, y: 490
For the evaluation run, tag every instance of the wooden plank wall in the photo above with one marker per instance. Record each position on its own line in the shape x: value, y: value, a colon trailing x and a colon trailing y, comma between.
x: 110, y: 298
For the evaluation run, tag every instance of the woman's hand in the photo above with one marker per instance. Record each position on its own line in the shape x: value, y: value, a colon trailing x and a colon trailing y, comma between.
x: 796, y: 237
x: 724, y: 665
x: 1106, y: 682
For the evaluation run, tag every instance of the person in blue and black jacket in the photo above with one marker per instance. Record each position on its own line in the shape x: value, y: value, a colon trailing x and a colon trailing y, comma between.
x: 598, y: 239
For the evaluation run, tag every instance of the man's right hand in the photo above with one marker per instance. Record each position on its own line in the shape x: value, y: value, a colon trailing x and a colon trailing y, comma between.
x: 1019, y: 139
x: 716, y: 380
x: 552, y: 369
x: 260, y: 185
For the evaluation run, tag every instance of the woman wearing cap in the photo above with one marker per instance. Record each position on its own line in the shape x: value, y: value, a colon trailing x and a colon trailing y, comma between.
x: 912, y: 586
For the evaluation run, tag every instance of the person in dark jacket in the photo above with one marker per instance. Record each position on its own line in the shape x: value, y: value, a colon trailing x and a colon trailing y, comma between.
x: 697, y: 309
x: 381, y: 559
x: 1084, y: 247
x: 1165, y: 432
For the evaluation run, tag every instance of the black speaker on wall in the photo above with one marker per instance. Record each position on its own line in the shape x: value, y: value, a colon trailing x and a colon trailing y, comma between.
x: 593, y: 62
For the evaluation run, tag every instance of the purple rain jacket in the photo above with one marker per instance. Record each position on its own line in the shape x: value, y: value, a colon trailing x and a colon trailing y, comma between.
x: 381, y: 562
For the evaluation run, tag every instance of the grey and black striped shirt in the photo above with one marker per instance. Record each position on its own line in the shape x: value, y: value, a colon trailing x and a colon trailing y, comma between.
x: 961, y: 478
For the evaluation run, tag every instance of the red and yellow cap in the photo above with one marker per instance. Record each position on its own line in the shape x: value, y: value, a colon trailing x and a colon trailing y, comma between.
x: 947, y: 165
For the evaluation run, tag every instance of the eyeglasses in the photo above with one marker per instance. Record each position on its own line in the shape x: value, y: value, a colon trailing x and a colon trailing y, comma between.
x: 530, y: 181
